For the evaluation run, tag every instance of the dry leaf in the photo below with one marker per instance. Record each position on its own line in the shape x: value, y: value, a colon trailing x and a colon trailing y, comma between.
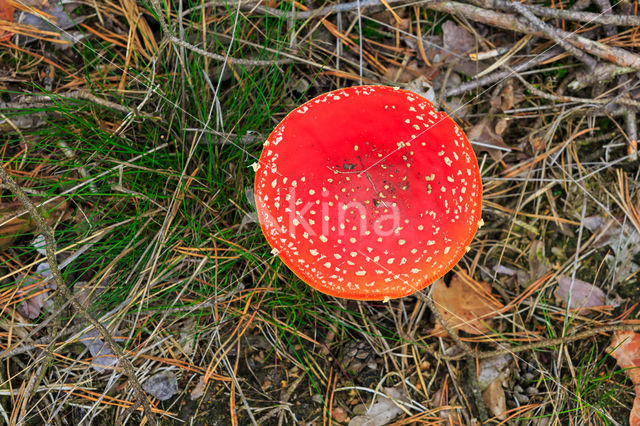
x: 383, y: 411
x: 6, y: 14
x: 457, y: 38
x: 41, y: 297
x: 483, y: 132
x: 492, y: 369
x: 583, y: 294
x: 104, y: 359
x: 511, y: 96
x: 421, y: 86
x: 495, y: 400
x: 198, y: 390
x: 57, y: 17
x: 162, y: 385
x: 625, y: 348
x: 465, y: 304
x: 501, y: 126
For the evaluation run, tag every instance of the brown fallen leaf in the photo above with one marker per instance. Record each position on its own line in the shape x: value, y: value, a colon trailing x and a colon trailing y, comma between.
x: 465, y: 304
x: 625, y: 348
x: 6, y: 14
x: 484, y: 132
x: 162, y: 385
x: 384, y: 410
x: 495, y: 400
x: 457, y: 38
x: 584, y: 295
x: 199, y: 389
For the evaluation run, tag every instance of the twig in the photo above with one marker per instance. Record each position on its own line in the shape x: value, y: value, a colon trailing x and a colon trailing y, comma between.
x: 569, y: 15
x: 452, y: 333
x: 492, y: 78
x: 616, y: 55
x: 64, y: 290
x: 555, y: 34
x: 29, y: 101
x: 605, y: 7
x: 564, y: 98
x: 603, y: 73
x: 544, y: 343
x: 324, y: 11
x: 631, y: 124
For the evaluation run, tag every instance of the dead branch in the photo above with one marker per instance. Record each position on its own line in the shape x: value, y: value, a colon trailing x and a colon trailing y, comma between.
x: 545, y: 343
x: 47, y: 233
x: 500, y: 75
x: 555, y: 34
x: 616, y: 55
x: 569, y: 15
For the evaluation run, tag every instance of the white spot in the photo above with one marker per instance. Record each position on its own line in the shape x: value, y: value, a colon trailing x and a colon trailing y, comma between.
x: 323, y: 238
x: 401, y: 242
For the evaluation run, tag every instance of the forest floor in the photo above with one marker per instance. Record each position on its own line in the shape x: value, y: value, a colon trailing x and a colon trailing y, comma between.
x: 142, y: 290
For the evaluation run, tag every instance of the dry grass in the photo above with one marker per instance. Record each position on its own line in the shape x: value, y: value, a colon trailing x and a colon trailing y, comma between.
x: 137, y: 147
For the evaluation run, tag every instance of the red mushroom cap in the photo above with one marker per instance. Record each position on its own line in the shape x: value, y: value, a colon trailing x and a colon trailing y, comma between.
x: 368, y: 193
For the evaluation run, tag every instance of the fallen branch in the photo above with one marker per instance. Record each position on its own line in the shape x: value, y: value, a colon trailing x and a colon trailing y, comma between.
x: 545, y: 12
x: 555, y: 34
x: 500, y: 75
x: 505, y: 21
x: 50, y: 244
x: 543, y: 343
x: 569, y: 15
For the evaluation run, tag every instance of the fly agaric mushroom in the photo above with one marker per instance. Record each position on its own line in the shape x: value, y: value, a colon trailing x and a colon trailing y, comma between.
x: 368, y: 193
